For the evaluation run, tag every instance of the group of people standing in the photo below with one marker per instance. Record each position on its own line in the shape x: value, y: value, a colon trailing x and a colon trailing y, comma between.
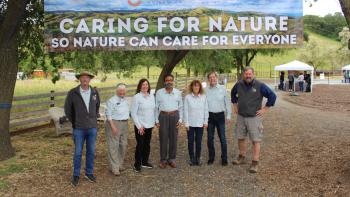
x: 207, y: 108
x: 302, y: 78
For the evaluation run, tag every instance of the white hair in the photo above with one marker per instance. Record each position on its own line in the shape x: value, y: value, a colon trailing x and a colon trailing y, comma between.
x: 121, y: 86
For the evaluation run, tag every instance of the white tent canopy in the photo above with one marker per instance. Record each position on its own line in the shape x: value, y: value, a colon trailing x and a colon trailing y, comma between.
x: 346, y: 67
x: 296, y: 66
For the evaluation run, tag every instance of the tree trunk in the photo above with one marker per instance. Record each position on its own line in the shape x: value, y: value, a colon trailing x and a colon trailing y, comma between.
x: 345, y: 5
x: 188, y: 72
x: 148, y: 72
x: 172, y: 59
x: 243, y: 59
x: 196, y: 72
x: 249, y: 60
x: 239, y: 62
x: 188, y: 69
x: 8, y: 65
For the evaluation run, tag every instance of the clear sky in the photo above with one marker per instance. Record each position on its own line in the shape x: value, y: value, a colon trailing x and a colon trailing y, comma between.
x: 322, y: 8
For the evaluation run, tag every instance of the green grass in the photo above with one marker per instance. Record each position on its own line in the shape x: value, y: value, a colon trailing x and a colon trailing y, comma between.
x: 11, y: 169
x: 322, y: 40
x: 4, y: 185
x: 38, y: 86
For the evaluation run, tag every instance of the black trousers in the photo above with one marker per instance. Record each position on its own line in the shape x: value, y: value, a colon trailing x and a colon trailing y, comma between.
x: 217, y: 120
x: 291, y: 83
x: 194, y: 137
x: 143, y: 146
x: 281, y: 86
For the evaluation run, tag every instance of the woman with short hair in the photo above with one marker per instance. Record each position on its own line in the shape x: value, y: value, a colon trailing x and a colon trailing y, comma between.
x: 143, y: 114
x: 196, y: 119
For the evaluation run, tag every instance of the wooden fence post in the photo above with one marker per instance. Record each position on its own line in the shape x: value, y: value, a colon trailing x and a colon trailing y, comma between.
x: 176, y: 80
x: 52, y: 98
x: 270, y: 71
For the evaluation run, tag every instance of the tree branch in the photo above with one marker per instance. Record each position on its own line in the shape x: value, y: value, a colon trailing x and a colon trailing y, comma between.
x: 252, y: 57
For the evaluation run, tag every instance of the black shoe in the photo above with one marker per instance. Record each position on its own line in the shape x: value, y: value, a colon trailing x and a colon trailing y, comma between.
x: 192, y: 162
x: 210, y: 161
x: 147, y: 165
x: 224, y: 163
x: 75, y: 181
x: 198, y: 162
x: 137, y: 168
x: 91, y: 178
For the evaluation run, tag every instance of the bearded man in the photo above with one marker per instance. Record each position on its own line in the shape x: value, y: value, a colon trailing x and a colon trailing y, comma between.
x: 247, y: 96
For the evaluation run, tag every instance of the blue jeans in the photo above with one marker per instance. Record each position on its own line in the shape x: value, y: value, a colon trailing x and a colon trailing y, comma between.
x: 301, y: 86
x: 194, y: 135
x: 217, y: 120
x: 79, y: 138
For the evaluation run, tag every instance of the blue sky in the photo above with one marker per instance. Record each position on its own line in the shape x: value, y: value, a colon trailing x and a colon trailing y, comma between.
x: 290, y: 7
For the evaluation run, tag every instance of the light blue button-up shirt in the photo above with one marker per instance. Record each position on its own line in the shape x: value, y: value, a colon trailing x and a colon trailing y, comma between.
x: 117, y: 108
x: 169, y: 102
x: 218, y: 100
x: 143, y: 110
x: 195, y: 110
x: 86, y: 94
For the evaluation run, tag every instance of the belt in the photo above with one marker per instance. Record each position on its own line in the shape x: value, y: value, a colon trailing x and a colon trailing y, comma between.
x: 216, y: 113
x: 248, y: 116
x: 122, y: 120
x: 170, y: 113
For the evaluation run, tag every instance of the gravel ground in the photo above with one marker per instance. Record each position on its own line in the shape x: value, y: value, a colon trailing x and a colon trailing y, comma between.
x: 334, y: 98
x: 306, y: 152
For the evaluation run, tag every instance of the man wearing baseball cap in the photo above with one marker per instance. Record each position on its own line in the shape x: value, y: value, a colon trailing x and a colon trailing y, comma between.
x: 82, y: 109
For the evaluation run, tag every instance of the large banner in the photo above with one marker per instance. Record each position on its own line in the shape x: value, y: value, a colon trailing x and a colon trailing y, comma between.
x: 172, y: 24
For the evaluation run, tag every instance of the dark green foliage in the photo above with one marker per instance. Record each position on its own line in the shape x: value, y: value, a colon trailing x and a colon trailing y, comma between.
x: 329, y: 25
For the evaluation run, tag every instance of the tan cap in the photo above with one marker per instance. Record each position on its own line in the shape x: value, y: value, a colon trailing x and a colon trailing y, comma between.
x: 84, y: 73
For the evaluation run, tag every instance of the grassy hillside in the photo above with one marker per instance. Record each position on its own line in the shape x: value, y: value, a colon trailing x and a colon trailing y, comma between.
x: 264, y: 62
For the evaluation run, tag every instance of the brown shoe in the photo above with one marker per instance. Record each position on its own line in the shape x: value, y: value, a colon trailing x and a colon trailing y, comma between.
x: 115, y: 172
x: 122, y: 168
x: 253, y: 167
x: 240, y: 160
x: 172, y: 164
x: 162, y: 165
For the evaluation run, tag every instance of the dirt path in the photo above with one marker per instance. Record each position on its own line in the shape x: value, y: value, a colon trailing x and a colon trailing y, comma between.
x: 306, y: 152
x: 325, y: 97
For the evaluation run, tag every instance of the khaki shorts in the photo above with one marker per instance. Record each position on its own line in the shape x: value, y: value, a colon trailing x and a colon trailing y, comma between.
x: 251, y: 126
